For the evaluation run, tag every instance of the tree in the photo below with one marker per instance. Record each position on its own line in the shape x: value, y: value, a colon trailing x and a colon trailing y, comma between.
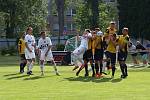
x: 20, y: 13
x: 60, y: 9
x: 106, y: 13
x: 133, y: 14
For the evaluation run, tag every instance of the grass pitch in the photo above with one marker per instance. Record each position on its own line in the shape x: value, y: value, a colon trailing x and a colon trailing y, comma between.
x: 14, y: 86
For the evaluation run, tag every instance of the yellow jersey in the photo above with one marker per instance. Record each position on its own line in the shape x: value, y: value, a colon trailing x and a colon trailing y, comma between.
x: 98, y: 42
x: 92, y: 45
x: 123, y: 42
x: 109, y: 31
x: 21, y: 46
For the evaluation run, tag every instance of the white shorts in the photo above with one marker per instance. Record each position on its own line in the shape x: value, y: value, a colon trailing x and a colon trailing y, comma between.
x: 49, y: 56
x: 79, y: 51
x: 29, y: 55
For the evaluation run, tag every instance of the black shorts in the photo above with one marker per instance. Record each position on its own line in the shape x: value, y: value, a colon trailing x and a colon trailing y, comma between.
x: 22, y: 57
x: 122, y: 56
x: 87, y: 55
x: 111, y: 56
x: 98, y: 54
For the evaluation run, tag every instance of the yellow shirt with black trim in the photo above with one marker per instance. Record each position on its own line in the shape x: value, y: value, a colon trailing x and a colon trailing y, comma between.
x: 21, y: 46
x: 123, y: 42
x: 111, y: 47
x: 98, y: 42
x: 109, y: 31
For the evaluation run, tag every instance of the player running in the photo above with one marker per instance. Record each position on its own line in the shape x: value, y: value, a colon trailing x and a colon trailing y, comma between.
x: 30, y: 50
x: 45, y: 53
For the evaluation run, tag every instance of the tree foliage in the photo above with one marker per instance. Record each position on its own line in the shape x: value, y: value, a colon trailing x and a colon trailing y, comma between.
x: 18, y: 14
x: 134, y: 14
x: 84, y: 17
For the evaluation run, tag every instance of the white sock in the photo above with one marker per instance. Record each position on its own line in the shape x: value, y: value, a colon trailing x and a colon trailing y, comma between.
x: 28, y: 66
x: 42, y: 67
x: 31, y: 65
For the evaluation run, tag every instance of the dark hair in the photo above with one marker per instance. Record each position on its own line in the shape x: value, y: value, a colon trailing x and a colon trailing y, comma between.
x: 29, y: 28
x: 42, y: 32
x: 87, y: 30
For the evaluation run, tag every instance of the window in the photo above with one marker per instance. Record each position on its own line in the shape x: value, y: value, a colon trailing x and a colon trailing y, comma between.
x: 55, y: 27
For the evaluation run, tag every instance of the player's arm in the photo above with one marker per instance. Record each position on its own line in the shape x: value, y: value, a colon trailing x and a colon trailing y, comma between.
x: 28, y: 47
x: 49, y: 46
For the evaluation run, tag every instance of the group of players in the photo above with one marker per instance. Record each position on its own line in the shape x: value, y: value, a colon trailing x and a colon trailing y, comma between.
x: 95, y: 46
x: 27, y: 49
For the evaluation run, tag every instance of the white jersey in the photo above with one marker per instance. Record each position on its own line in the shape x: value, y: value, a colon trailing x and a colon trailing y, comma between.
x: 84, y: 40
x: 44, y: 43
x: 30, y: 40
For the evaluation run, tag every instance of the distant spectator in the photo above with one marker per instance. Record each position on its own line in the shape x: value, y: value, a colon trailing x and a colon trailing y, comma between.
x: 148, y: 48
x: 143, y: 52
x: 132, y: 49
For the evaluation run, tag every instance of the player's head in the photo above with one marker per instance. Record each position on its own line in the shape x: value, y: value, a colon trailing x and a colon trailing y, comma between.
x: 112, y: 24
x: 94, y: 34
x: 29, y: 30
x: 97, y: 29
x: 87, y: 30
x: 43, y: 34
x: 125, y: 31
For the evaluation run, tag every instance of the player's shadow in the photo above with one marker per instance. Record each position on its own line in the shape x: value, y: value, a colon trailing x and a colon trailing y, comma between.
x: 96, y: 80
x: 100, y: 80
x: 80, y: 78
x: 11, y: 74
x: 116, y: 80
x: 36, y: 77
x: 33, y: 78
x: 16, y: 77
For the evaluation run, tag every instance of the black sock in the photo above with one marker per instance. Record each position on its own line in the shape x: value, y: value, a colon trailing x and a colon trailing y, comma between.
x: 122, y: 69
x: 125, y: 69
x: 86, y: 68
x: 93, y: 70
x: 21, y: 67
x: 96, y: 68
x: 113, y: 70
x: 101, y: 68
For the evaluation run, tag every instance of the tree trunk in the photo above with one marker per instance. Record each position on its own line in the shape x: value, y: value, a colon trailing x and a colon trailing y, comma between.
x: 60, y: 9
x: 95, y: 13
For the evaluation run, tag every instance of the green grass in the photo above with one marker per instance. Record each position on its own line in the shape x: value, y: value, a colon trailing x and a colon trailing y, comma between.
x: 14, y: 86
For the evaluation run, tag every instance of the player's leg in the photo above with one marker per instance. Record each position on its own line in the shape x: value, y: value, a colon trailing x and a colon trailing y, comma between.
x: 42, y: 67
x: 85, y: 63
x: 21, y: 63
x: 108, y: 62
x: 113, y: 63
x: 50, y: 58
x: 101, y: 52
x: 78, y: 56
x: 121, y: 63
x: 42, y: 59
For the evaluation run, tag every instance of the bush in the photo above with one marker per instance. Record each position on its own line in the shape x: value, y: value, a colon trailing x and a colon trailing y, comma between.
x: 9, y: 51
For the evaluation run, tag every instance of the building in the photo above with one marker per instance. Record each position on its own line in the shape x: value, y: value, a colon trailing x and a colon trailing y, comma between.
x: 69, y: 23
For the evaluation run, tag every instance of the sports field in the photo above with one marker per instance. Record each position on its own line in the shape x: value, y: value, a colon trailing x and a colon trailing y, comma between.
x: 14, y: 86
